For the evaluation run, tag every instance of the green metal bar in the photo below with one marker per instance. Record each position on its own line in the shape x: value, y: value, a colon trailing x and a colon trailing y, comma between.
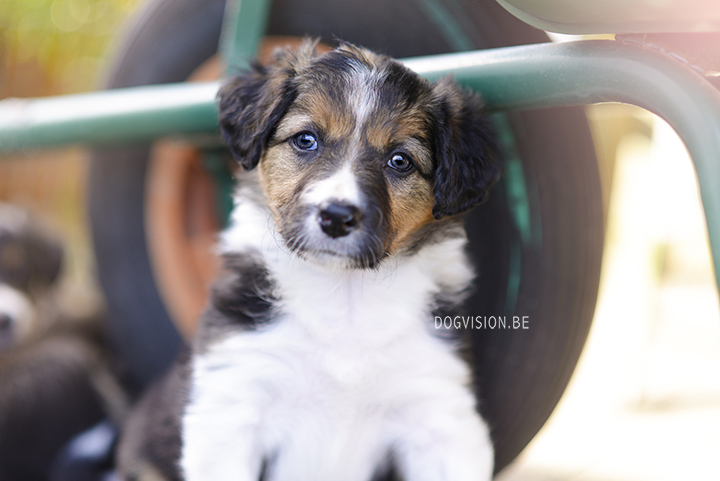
x: 524, y: 77
x: 124, y: 115
x: 243, y: 27
x: 589, y: 72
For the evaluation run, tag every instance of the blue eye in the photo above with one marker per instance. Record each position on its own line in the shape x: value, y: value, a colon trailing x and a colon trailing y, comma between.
x: 305, y: 141
x: 400, y: 162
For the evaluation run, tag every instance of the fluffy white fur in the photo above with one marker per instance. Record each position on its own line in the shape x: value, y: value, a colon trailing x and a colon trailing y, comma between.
x: 340, y: 186
x: 347, y: 372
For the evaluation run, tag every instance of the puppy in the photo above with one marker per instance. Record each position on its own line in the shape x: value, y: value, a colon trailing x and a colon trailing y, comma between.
x: 316, y: 358
x: 55, y: 377
x: 30, y: 262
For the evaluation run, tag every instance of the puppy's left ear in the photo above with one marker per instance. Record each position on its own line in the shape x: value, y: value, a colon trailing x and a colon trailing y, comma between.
x: 466, y: 151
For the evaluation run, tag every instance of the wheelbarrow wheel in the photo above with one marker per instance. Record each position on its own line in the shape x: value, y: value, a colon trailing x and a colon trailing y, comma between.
x: 537, y: 243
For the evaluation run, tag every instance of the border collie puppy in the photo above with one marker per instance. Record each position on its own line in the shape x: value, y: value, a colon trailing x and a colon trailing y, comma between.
x: 30, y: 262
x: 56, y: 378
x: 317, y: 359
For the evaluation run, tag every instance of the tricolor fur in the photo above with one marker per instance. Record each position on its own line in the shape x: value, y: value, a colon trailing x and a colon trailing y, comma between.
x: 316, y: 358
x: 30, y: 261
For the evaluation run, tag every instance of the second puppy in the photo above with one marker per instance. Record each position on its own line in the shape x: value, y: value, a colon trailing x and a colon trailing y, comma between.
x: 317, y: 359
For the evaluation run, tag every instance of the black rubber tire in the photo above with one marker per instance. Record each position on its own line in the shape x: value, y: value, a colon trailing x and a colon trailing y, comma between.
x: 522, y: 373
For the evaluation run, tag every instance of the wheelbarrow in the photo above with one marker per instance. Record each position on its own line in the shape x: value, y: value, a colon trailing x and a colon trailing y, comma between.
x: 537, y: 243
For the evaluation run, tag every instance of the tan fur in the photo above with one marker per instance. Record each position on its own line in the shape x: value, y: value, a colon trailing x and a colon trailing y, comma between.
x: 279, y: 174
x: 411, y: 210
x: 330, y: 116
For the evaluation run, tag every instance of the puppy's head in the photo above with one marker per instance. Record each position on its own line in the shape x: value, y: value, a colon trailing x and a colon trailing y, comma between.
x: 30, y: 262
x: 359, y: 157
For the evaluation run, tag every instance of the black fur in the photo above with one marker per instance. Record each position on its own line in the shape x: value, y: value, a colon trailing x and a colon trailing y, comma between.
x: 405, y: 86
x: 242, y: 297
x: 30, y: 257
x: 250, y: 108
x: 47, y: 396
x: 466, y: 152
x: 155, y: 429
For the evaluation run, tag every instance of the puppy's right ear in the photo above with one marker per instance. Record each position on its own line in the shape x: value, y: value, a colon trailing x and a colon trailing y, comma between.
x: 252, y: 104
x: 250, y: 107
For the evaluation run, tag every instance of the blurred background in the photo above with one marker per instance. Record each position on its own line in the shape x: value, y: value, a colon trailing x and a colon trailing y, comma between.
x: 54, y: 47
x: 644, y: 403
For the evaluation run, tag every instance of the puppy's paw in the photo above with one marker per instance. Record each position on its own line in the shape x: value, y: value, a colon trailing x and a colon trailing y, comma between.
x: 447, y: 448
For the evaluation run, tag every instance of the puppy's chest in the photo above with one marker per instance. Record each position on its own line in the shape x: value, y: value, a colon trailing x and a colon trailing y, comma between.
x: 345, y: 364
x: 335, y: 347
x: 329, y: 357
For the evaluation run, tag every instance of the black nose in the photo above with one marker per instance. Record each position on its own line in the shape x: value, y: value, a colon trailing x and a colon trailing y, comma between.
x: 338, y: 220
x: 5, y: 322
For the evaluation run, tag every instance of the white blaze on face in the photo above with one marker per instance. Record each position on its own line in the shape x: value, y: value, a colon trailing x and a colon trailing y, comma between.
x: 341, y: 186
x: 362, y: 96
x: 362, y: 100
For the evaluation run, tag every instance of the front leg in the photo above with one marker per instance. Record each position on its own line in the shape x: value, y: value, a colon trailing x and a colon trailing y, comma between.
x: 219, y: 449
x: 444, y: 441
x: 221, y: 425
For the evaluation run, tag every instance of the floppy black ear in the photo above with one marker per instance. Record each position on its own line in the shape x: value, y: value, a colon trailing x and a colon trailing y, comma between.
x: 466, y: 150
x: 252, y: 104
x: 250, y: 107
x: 46, y: 258
x: 30, y: 257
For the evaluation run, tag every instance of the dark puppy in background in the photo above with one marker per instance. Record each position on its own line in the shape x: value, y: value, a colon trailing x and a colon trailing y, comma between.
x: 55, y: 377
x: 30, y: 262
x: 317, y: 358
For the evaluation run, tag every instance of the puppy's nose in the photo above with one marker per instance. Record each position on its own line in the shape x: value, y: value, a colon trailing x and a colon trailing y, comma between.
x: 338, y: 220
x: 5, y: 322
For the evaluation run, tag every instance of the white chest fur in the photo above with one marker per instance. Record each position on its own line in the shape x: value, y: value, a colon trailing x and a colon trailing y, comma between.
x: 347, y: 376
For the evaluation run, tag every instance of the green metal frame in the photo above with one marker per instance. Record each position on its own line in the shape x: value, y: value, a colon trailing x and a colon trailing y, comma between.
x: 515, y: 78
x: 115, y: 116
x: 244, y: 26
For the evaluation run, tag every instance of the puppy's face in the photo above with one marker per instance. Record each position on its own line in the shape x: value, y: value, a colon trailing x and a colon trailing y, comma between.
x: 30, y: 263
x: 359, y: 157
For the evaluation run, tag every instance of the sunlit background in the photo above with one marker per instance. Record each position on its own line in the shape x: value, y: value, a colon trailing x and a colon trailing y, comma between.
x: 644, y: 403
x: 56, y: 46
x: 53, y: 47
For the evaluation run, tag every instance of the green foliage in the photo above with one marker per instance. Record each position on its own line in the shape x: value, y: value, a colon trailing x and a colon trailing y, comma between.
x: 65, y: 41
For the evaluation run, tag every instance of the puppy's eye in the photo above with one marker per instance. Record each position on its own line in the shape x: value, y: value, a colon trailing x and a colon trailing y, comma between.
x: 305, y: 141
x: 400, y: 162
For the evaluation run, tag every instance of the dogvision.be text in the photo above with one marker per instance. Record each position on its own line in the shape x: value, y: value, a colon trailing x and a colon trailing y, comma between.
x: 482, y: 322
